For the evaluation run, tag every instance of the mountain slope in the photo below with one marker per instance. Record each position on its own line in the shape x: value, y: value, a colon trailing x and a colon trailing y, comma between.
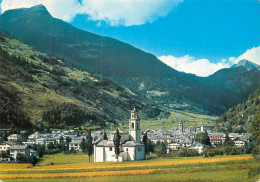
x: 126, y: 65
x: 36, y: 87
x: 241, y: 117
x: 55, y: 36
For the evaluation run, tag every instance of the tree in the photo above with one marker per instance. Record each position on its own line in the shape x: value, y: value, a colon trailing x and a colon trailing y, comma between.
x: 145, y: 142
x: 68, y: 140
x: 228, y: 141
x: 51, y: 146
x: 89, y: 145
x: 207, y: 139
x: 3, y: 154
x: 40, y: 150
x: 83, y: 145
x: 160, y: 149
x: 105, y: 136
x: 5, y: 135
x: 62, y: 144
x: 33, y: 160
x: 20, y: 157
x: 256, y: 134
x: 150, y: 146
x: 117, y: 142
x: 203, y: 138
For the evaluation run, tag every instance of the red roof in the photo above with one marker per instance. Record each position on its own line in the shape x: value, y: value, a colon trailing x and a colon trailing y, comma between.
x: 215, y: 138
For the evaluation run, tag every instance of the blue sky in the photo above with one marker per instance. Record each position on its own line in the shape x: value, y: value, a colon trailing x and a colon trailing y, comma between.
x: 206, y: 35
x: 212, y: 29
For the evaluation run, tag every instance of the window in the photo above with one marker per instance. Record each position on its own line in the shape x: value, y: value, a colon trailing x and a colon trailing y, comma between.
x: 133, y: 125
x: 127, y: 149
x: 139, y: 149
x: 110, y: 148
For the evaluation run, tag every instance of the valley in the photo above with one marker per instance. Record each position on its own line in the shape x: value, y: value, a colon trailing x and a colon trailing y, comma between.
x: 130, y: 67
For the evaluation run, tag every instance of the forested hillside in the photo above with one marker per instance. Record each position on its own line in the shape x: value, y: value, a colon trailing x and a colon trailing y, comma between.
x: 242, y: 117
x: 39, y: 89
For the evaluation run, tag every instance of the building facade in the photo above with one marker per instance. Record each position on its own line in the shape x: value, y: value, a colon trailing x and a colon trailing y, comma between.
x: 130, y: 148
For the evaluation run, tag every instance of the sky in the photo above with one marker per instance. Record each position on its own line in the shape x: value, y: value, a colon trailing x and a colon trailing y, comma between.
x: 194, y: 36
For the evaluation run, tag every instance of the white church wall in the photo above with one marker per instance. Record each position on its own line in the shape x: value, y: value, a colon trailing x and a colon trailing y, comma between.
x: 109, y: 153
x: 99, y: 154
x: 131, y: 153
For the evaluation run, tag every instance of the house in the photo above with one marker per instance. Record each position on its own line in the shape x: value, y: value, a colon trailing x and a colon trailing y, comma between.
x: 198, y: 147
x: 13, y: 138
x: 239, y: 143
x: 130, y: 149
x: 174, y: 146
x: 24, y: 150
x: 44, y: 141
x: 5, y: 146
x: 216, y: 141
x: 75, y: 144
x: 186, y: 143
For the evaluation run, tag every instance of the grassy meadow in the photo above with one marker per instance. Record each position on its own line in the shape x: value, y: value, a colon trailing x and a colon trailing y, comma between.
x: 75, y: 167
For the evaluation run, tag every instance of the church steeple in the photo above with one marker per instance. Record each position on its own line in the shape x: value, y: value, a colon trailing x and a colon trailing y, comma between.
x: 202, y: 126
x: 134, y: 126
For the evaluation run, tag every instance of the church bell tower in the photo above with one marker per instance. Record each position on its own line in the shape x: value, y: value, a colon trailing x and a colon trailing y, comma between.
x: 134, y: 126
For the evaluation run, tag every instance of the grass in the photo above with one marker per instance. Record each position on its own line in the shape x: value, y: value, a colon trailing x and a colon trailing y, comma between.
x: 61, y: 158
x: 225, y: 176
x: 73, y: 167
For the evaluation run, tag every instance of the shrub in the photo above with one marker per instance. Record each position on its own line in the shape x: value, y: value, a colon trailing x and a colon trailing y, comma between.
x: 151, y: 157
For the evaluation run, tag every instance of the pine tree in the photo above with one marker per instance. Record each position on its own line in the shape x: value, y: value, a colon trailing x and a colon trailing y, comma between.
x: 83, y: 145
x: 116, y: 141
x: 228, y: 141
x: 89, y: 146
x: 145, y: 142
x: 207, y: 139
x: 68, y: 140
x: 105, y: 136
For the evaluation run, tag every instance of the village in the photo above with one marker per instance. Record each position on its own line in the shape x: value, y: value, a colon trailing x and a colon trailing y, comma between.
x: 131, y: 142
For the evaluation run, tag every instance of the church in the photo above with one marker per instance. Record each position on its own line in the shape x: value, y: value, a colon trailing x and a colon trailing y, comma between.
x: 131, y: 147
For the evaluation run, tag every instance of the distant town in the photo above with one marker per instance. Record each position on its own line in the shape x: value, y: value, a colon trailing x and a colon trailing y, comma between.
x: 21, y: 148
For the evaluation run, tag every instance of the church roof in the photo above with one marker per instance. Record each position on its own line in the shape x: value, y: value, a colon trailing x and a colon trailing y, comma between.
x: 131, y: 144
x: 121, y: 132
x: 105, y: 143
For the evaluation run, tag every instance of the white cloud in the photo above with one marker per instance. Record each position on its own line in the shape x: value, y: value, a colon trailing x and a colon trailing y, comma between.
x: 251, y: 55
x: 203, y: 67
x: 113, y: 12
x: 65, y: 10
x: 189, y: 64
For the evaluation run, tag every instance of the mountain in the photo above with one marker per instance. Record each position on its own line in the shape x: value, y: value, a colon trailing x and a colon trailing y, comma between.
x: 248, y: 65
x: 36, y: 88
x: 126, y: 65
x: 242, y: 117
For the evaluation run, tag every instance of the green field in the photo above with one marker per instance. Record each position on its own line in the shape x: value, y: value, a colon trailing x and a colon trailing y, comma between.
x: 74, y: 167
